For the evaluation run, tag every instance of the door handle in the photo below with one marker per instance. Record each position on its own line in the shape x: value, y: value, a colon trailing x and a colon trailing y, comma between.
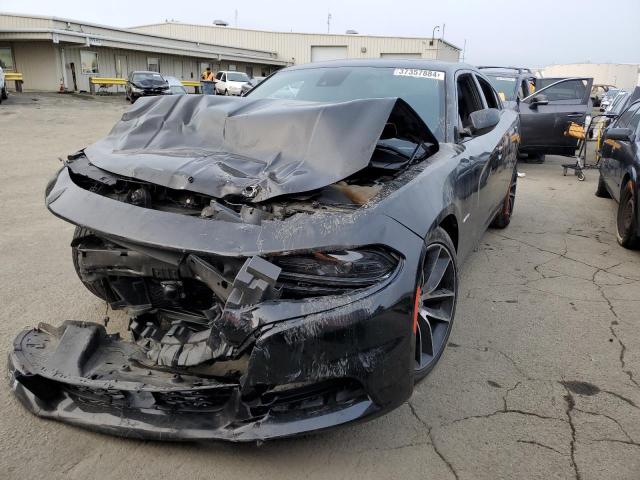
x: 575, y: 115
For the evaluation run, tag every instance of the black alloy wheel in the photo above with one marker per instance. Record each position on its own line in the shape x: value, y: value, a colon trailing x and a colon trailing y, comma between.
x: 627, y: 221
x: 435, y: 302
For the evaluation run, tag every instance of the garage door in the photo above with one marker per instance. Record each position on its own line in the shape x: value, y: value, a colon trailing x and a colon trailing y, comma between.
x: 400, y: 55
x: 321, y: 54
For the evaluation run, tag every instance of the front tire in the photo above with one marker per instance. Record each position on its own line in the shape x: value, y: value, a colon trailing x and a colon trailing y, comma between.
x: 434, y: 302
x: 4, y: 94
x: 627, y: 219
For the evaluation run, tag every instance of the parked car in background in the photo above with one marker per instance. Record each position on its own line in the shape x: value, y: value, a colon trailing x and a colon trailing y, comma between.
x: 607, y: 98
x: 598, y: 91
x: 511, y: 83
x: 250, y: 84
x: 175, y: 86
x: 230, y: 83
x: 620, y: 173
x: 287, y: 267
x: 546, y: 106
x: 145, y: 84
x: 616, y: 105
x: 3, y: 86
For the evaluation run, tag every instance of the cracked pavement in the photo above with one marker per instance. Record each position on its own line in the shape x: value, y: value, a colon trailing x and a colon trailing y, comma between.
x: 540, y: 379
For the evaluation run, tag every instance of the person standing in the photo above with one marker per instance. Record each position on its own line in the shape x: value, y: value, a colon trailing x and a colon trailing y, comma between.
x: 206, y: 80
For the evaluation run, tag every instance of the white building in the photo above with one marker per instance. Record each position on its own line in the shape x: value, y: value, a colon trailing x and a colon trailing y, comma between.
x: 297, y: 48
x: 623, y: 75
x: 51, y: 51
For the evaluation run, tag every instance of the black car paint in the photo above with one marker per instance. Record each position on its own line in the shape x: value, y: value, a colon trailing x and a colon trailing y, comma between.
x: 621, y: 160
x: 543, y: 126
x: 365, y: 336
x: 147, y: 87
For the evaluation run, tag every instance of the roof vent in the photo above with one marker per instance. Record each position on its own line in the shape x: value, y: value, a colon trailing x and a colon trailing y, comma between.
x: 351, y: 32
x: 221, y: 23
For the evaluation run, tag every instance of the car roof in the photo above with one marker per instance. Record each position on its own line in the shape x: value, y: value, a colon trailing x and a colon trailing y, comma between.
x: 145, y: 71
x: 447, y: 67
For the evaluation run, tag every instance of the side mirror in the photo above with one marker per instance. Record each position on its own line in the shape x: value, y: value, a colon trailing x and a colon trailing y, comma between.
x: 483, y: 121
x: 622, y: 134
x: 538, y: 100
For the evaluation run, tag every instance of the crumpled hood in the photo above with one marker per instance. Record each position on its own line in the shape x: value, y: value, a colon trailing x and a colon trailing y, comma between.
x: 262, y: 148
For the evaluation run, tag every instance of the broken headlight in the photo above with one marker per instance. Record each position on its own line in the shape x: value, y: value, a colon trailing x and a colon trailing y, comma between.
x: 329, y: 273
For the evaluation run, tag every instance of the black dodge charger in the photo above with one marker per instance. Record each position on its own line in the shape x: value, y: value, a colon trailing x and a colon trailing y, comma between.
x: 289, y: 260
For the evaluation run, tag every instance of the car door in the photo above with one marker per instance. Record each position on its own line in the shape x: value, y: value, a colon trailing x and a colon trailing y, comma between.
x: 474, y: 166
x: 498, y: 141
x: 546, y: 114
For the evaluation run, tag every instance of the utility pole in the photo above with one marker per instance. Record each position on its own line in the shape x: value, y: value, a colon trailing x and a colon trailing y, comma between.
x: 236, y: 18
x: 464, y: 50
x: 442, y: 36
x: 328, y: 22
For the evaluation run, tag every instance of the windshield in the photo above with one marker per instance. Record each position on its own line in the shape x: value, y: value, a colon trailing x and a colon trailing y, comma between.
x: 147, y: 76
x: 505, y: 86
x: 422, y: 89
x: 237, y: 77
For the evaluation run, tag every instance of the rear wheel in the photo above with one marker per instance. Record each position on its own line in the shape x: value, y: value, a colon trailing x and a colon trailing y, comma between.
x: 503, y: 218
x: 4, y: 93
x: 602, y: 191
x: 435, y: 302
x: 98, y: 288
x: 627, y: 221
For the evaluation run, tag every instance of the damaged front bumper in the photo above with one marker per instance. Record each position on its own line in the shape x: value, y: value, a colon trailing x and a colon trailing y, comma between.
x: 304, y: 374
x: 307, y: 364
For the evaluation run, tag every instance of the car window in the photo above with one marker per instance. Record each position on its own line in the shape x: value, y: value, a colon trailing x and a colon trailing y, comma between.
x: 569, y: 90
x: 505, y: 86
x: 469, y: 99
x: 147, y: 76
x: 422, y: 89
x: 219, y: 76
x: 237, y: 77
x: 489, y: 94
x: 627, y: 117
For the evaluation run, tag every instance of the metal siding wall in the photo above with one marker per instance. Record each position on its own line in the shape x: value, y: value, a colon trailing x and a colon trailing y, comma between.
x: 296, y: 47
x: 37, y: 62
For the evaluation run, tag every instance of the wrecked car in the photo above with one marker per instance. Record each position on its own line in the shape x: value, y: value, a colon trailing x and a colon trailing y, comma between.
x: 289, y: 260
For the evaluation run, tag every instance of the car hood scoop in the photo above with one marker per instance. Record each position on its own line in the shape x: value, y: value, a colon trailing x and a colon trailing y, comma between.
x: 259, y: 149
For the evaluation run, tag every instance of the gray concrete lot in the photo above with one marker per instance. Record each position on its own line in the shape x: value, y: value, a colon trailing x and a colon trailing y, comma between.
x: 541, y: 378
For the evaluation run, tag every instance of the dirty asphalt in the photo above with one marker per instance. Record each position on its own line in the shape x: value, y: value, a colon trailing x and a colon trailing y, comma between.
x: 541, y: 378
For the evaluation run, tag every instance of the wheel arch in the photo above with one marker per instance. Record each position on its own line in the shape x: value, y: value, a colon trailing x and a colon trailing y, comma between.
x: 450, y: 225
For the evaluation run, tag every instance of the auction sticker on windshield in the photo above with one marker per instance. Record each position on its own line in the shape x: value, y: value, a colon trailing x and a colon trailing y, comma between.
x: 506, y: 79
x: 419, y: 73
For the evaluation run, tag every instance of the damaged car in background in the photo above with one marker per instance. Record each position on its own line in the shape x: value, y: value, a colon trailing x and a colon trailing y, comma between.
x: 289, y: 260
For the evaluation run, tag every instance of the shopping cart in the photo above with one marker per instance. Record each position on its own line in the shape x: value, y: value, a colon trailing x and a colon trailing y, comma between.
x: 582, y: 133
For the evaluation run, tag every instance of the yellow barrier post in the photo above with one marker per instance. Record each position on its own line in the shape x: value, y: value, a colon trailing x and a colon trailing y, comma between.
x: 15, y: 77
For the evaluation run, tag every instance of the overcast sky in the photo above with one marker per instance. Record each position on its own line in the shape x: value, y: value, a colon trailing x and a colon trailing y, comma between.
x: 529, y: 33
